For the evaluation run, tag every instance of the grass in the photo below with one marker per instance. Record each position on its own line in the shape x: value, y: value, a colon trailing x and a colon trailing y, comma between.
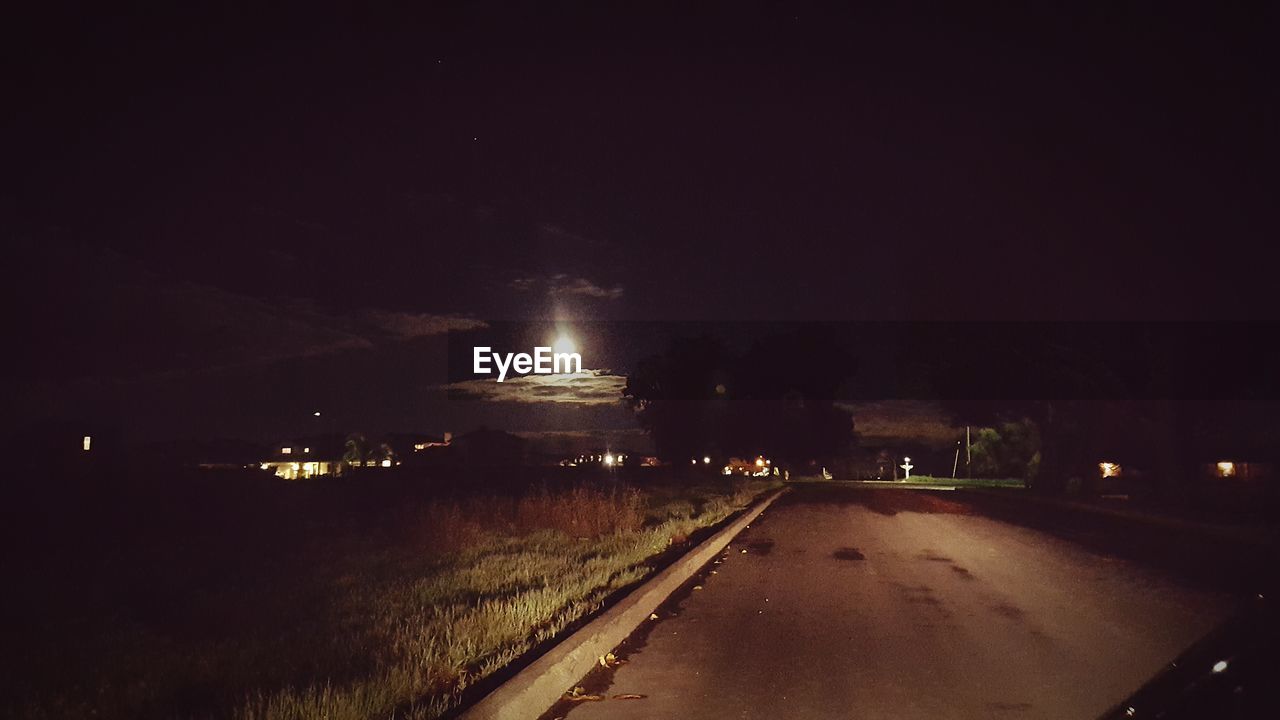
x: 395, y: 617
x: 929, y: 480
x: 964, y: 482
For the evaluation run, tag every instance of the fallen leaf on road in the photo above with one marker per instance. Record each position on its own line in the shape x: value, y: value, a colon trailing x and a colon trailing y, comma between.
x: 697, y: 587
x: 653, y: 616
x: 608, y: 659
x: 579, y: 694
x: 629, y: 696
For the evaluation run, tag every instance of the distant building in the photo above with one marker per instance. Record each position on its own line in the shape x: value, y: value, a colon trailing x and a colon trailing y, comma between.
x: 305, y: 458
x: 424, y: 443
x: 758, y: 466
x: 599, y: 458
x: 1241, y: 470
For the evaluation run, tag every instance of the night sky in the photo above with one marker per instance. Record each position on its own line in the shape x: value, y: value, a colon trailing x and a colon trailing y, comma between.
x: 222, y: 219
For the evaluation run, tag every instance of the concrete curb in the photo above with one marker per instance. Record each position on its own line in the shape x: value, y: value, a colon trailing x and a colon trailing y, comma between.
x: 537, y: 687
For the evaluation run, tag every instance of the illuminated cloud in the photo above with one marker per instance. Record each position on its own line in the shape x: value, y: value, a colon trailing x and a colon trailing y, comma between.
x: 410, y: 325
x: 563, y: 284
x: 902, y: 421
x: 590, y: 387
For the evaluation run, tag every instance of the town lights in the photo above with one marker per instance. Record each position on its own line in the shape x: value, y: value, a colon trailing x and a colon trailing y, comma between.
x: 609, y: 459
x: 706, y: 459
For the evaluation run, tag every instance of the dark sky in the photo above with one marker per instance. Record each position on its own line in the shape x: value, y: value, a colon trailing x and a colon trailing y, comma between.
x: 222, y: 213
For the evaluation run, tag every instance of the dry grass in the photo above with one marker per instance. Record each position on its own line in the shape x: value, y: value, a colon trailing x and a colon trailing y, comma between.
x: 403, y: 627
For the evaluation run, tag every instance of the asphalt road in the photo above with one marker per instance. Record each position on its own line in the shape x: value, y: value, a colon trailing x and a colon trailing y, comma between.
x: 888, y: 603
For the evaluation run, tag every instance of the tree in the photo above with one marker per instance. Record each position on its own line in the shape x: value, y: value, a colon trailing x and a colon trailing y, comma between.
x: 356, y: 449
x: 1011, y: 450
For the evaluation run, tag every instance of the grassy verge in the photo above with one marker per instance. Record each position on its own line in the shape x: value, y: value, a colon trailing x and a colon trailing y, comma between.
x: 964, y: 482
x: 929, y: 480
x: 397, y: 618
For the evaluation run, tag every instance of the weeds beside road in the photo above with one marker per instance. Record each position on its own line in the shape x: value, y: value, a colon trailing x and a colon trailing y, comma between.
x: 316, y: 620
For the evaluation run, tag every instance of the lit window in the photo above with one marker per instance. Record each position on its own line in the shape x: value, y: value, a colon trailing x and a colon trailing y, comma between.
x: 87, y: 442
x: 286, y: 451
x: 1109, y: 469
x: 386, y: 463
x: 1225, y: 468
x: 306, y: 450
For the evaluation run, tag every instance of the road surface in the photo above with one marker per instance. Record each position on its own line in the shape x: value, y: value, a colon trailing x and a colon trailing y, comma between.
x: 894, y: 603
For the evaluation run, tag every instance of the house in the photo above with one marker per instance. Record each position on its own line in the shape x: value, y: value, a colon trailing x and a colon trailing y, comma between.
x: 599, y: 458
x: 305, y: 457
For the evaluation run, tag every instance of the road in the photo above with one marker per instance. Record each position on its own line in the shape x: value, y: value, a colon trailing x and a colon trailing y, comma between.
x: 890, y: 603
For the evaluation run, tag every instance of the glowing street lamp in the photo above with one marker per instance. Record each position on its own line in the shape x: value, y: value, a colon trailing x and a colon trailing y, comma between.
x: 609, y: 459
x: 906, y: 466
x: 706, y: 459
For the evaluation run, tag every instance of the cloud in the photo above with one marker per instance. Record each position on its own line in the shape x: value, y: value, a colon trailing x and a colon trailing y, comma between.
x: 406, y: 325
x: 888, y: 421
x: 563, y: 284
x: 590, y: 387
x: 557, y: 234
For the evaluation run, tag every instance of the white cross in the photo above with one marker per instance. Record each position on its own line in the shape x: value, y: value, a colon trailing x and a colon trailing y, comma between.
x: 906, y: 465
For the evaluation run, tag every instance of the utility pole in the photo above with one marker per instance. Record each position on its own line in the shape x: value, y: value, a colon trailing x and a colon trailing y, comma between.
x: 968, y: 454
x: 955, y: 465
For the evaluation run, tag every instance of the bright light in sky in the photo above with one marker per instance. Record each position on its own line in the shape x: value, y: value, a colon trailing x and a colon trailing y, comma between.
x: 564, y: 344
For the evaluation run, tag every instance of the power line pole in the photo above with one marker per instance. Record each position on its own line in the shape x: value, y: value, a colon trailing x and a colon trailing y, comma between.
x: 968, y: 454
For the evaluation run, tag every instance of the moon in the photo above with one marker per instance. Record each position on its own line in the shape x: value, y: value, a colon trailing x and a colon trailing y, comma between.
x: 564, y: 344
